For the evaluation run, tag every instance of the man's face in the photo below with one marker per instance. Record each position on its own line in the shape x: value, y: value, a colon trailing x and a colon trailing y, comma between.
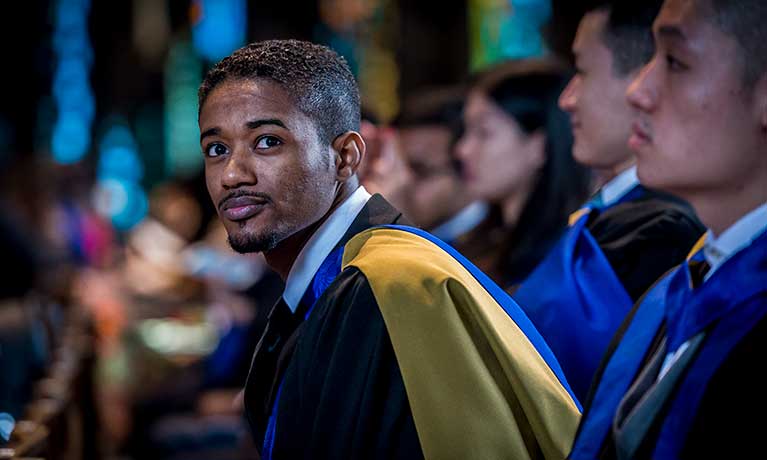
x: 266, y: 170
x: 697, y: 131
x: 595, y: 98
x: 436, y: 192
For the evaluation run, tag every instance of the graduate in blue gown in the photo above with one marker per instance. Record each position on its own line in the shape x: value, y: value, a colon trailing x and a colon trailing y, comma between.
x: 681, y: 377
x: 627, y: 235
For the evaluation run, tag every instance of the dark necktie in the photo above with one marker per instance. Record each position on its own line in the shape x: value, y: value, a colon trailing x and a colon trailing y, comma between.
x: 699, y: 267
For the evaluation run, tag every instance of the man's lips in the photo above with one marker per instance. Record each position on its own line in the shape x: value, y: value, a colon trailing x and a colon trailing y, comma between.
x: 575, y: 123
x: 242, y: 207
x: 640, y: 136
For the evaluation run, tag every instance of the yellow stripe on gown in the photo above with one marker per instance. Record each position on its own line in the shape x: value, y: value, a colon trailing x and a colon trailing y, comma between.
x: 477, y: 387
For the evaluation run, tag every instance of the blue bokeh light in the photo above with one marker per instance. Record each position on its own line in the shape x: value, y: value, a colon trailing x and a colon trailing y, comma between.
x: 124, y: 202
x: 70, y: 139
x: 220, y: 29
x: 72, y: 93
x: 119, y: 195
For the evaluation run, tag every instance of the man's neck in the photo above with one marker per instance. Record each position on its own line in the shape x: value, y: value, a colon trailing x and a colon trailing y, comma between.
x: 721, y: 211
x: 604, y: 175
x: 281, y: 258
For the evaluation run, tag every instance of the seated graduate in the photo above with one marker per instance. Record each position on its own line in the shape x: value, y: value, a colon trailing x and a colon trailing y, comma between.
x: 415, y: 168
x: 627, y: 236
x: 428, y: 127
x: 515, y: 154
x: 386, y: 343
x: 679, y: 380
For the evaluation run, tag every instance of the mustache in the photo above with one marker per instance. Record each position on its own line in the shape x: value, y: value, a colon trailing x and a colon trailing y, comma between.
x: 240, y: 193
x: 645, y: 126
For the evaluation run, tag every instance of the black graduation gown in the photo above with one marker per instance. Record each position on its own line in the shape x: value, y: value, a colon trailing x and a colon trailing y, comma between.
x: 369, y: 426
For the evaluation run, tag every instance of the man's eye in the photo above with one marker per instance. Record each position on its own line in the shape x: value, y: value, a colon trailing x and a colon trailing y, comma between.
x: 674, y: 64
x: 267, y: 142
x: 214, y: 150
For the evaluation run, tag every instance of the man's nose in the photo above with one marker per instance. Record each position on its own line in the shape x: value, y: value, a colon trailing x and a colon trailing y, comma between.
x: 240, y: 170
x: 642, y: 93
x: 463, y: 148
x: 569, y: 98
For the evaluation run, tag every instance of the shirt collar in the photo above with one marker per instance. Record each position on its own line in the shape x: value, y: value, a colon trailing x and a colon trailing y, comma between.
x: 619, y: 186
x: 461, y: 223
x: 320, y: 245
x: 738, y: 236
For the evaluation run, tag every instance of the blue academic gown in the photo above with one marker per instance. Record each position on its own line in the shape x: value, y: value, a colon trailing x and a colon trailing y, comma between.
x: 711, y: 395
x: 581, y: 292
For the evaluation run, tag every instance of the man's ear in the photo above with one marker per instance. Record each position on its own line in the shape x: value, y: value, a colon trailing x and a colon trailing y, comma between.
x: 350, y: 149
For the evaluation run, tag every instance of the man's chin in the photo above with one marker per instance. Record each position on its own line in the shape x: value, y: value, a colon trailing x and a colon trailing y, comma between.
x: 253, y: 243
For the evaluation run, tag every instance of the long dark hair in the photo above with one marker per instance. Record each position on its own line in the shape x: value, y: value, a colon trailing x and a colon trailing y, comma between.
x: 528, y: 91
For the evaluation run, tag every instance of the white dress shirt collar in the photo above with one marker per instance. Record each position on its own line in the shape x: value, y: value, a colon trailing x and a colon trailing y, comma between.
x: 717, y: 249
x: 320, y: 245
x: 619, y: 186
x: 461, y: 223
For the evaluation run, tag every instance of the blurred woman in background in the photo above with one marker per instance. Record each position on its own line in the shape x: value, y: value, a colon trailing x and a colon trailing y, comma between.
x: 515, y: 153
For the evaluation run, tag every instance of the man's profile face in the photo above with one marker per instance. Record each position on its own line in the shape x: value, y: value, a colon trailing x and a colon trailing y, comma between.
x: 266, y: 170
x: 595, y: 99
x: 436, y: 186
x: 697, y: 127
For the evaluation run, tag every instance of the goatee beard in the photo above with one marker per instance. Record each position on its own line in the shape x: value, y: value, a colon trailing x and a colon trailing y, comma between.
x: 248, y: 243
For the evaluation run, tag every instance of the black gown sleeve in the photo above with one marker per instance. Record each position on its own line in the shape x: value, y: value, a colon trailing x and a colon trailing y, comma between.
x: 729, y: 422
x: 343, y: 395
x: 643, y: 239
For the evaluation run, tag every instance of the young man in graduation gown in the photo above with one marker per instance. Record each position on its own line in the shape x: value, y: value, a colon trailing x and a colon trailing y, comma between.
x: 627, y: 236
x: 385, y: 344
x: 681, y: 378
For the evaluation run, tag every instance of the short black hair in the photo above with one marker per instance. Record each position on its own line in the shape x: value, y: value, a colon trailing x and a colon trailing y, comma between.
x: 316, y: 77
x: 628, y: 32
x: 745, y: 21
x: 432, y: 106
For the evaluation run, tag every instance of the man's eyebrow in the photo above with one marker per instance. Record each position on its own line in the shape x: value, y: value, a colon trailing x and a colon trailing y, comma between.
x: 269, y: 121
x: 253, y: 124
x: 209, y: 132
x: 671, y: 32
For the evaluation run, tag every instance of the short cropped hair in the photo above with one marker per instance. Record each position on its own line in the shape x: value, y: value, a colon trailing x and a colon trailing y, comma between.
x: 745, y: 21
x: 432, y: 106
x: 628, y: 32
x: 316, y: 77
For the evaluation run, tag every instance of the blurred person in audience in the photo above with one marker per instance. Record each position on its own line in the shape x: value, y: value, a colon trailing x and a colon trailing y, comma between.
x: 679, y: 380
x: 384, y: 169
x: 413, y: 162
x: 343, y: 370
x: 627, y: 236
x: 515, y: 153
x: 427, y: 129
